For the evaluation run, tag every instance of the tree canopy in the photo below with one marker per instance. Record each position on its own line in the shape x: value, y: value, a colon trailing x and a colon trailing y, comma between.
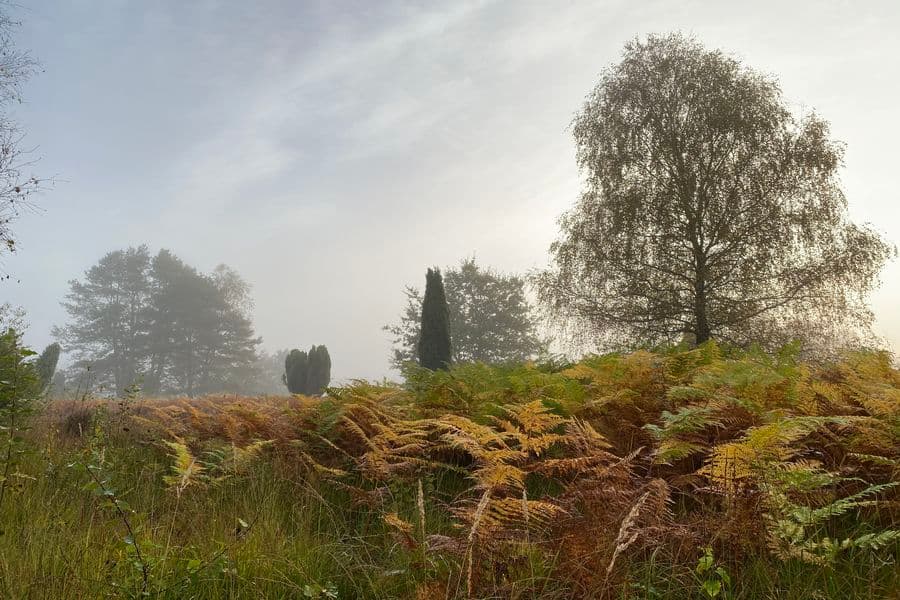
x: 491, y: 320
x: 160, y: 323
x: 709, y: 209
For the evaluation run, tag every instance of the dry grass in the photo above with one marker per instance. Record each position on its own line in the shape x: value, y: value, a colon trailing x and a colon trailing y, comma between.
x: 578, y: 483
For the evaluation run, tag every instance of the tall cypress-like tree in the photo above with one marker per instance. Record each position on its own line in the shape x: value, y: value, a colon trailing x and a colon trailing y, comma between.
x: 434, y: 347
x: 45, y: 365
x: 490, y: 317
x: 307, y: 372
x: 296, y: 371
x: 319, y: 370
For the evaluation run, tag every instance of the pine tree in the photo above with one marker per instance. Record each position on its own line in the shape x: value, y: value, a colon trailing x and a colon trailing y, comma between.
x: 107, y: 327
x: 434, y: 341
x: 162, y: 323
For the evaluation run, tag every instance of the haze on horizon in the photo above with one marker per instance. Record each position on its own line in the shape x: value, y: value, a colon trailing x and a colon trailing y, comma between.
x: 331, y: 154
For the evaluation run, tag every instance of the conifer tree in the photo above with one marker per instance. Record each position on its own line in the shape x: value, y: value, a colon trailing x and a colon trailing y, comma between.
x: 296, y: 371
x: 490, y: 317
x: 45, y: 365
x: 319, y: 369
x: 434, y: 341
x: 307, y: 372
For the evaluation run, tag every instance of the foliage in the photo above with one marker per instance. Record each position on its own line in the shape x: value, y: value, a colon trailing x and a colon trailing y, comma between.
x: 46, y: 365
x: 16, y: 186
x: 307, y: 372
x: 296, y: 371
x: 270, y: 372
x: 108, y: 326
x: 434, y: 349
x: 714, y: 580
x: 490, y: 318
x: 20, y: 388
x: 483, y: 481
x: 160, y: 323
x: 710, y: 211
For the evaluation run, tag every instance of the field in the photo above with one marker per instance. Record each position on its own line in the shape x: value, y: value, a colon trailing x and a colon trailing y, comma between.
x: 681, y: 474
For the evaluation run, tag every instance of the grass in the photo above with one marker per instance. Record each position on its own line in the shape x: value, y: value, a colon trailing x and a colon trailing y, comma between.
x: 316, y: 515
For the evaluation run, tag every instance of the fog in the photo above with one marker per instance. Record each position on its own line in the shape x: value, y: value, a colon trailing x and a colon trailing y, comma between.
x: 331, y: 154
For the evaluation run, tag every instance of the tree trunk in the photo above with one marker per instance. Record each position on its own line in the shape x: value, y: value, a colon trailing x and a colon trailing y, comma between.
x: 701, y: 323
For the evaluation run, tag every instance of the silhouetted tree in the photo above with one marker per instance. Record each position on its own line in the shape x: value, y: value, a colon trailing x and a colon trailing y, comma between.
x: 201, y: 336
x: 107, y: 317
x: 162, y: 324
x: 45, y: 365
x: 296, y: 371
x: 490, y: 317
x: 709, y: 211
x: 434, y: 348
x: 319, y: 370
x: 307, y: 372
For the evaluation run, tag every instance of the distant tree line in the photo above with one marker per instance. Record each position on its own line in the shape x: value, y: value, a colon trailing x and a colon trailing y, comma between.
x: 157, y: 322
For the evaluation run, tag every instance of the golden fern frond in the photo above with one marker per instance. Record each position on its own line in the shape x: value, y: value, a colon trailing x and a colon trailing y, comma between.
x: 515, y: 513
x: 534, y: 418
x: 499, y: 475
x: 243, y: 458
x: 582, y: 437
x: 569, y: 468
x: 186, y: 469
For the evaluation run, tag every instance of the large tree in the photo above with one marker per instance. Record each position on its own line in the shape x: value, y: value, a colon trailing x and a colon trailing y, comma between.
x: 490, y: 317
x: 108, y: 324
x: 434, y: 346
x: 710, y: 210
x: 201, y: 334
x: 161, y: 324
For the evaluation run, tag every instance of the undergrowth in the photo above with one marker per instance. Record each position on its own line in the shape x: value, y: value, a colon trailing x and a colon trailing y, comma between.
x: 703, y: 473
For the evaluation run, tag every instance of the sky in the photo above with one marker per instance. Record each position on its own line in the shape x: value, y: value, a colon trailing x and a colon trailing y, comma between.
x: 331, y: 151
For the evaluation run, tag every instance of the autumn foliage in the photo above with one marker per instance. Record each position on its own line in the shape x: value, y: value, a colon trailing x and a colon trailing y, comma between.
x: 589, y: 468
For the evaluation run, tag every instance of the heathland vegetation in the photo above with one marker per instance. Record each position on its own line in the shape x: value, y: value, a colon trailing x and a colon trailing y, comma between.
x: 706, y: 473
x: 731, y: 433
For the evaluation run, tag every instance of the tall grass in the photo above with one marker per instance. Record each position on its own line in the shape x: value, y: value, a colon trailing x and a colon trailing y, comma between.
x: 605, y: 479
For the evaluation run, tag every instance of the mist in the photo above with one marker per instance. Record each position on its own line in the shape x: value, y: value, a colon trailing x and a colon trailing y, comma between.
x: 330, y: 154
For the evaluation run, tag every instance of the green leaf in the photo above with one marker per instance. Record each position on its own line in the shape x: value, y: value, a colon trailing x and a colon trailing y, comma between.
x: 712, y: 587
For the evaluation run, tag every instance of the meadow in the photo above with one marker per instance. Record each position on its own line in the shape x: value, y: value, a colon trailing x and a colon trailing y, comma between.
x: 703, y: 473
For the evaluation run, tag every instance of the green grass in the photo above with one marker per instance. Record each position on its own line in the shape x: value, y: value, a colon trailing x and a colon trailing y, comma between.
x: 305, y: 540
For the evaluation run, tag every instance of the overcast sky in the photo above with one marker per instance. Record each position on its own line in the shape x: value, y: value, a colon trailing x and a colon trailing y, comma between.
x: 331, y: 151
